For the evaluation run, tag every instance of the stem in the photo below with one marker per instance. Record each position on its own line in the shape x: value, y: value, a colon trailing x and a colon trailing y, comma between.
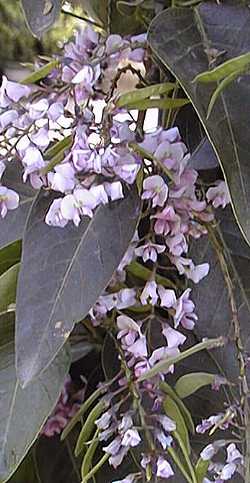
x: 80, y: 17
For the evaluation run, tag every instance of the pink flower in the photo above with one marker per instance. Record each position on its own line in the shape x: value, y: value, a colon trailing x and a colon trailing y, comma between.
x: 219, y: 195
x: 155, y: 188
x: 166, y: 221
x: 149, y: 251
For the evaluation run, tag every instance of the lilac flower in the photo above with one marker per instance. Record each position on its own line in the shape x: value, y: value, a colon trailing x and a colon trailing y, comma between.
x: 38, y: 109
x: 184, y: 311
x: 207, y: 424
x: 164, y: 470
x: 155, y: 188
x: 7, y: 118
x: 131, y: 438
x: 78, y: 204
x: 32, y: 162
x: 149, y: 251
x: 54, y: 216
x: 163, y: 353
x: 114, y: 190
x: 149, y: 293
x: 9, y: 200
x: 167, y: 296
x: 167, y: 423
x: 63, y: 179
x: 174, y: 337
x: 219, y: 195
x: 185, y: 266
x: 55, y: 111
x: 41, y: 138
x: 164, y: 440
x: 12, y: 92
x: 177, y: 244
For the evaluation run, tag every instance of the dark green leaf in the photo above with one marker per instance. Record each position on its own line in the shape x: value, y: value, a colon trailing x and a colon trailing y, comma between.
x: 62, y: 274
x: 23, y: 411
x: 12, y: 226
x: 41, y: 14
x: 182, y: 40
x: 89, y: 427
x: 190, y: 383
x: 8, y: 284
x: 10, y: 255
x: 201, y: 469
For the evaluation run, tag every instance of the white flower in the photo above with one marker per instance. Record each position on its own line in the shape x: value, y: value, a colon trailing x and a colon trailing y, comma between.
x: 131, y: 438
x: 164, y: 470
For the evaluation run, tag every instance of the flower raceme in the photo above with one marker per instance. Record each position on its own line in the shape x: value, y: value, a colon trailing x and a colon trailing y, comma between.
x: 94, y: 168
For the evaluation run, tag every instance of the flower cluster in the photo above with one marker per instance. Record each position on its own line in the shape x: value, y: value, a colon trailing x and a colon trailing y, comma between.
x: 62, y: 146
x: 90, y: 172
x: 222, y: 472
x: 67, y: 406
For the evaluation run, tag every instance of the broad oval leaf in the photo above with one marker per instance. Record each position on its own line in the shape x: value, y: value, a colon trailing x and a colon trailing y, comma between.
x: 41, y: 14
x: 190, y: 383
x: 182, y: 40
x: 62, y: 274
x: 23, y: 411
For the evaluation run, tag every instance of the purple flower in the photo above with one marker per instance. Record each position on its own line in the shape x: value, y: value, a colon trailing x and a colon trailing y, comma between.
x: 7, y: 118
x: 63, y: 179
x: 55, y: 111
x: 207, y: 424
x: 177, y: 244
x: 9, y: 200
x: 155, y: 188
x: 164, y: 470
x: 149, y: 251
x: 114, y: 190
x: 78, y: 204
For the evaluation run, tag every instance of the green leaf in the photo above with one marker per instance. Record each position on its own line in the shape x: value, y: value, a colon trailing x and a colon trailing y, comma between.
x: 164, y: 365
x: 167, y: 103
x: 89, y: 427
x: 184, y: 411
x: 96, y: 468
x: 8, y: 284
x: 172, y: 411
x: 41, y: 14
x: 32, y: 405
x: 63, y: 272
x: 201, y: 469
x: 218, y: 91
x: 136, y: 95
x: 41, y: 73
x: 190, y: 383
x: 143, y: 273
x: 12, y: 226
x: 236, y: 64
x: 89, y: 455
x: 181, y: 39
x: 10, y: 255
